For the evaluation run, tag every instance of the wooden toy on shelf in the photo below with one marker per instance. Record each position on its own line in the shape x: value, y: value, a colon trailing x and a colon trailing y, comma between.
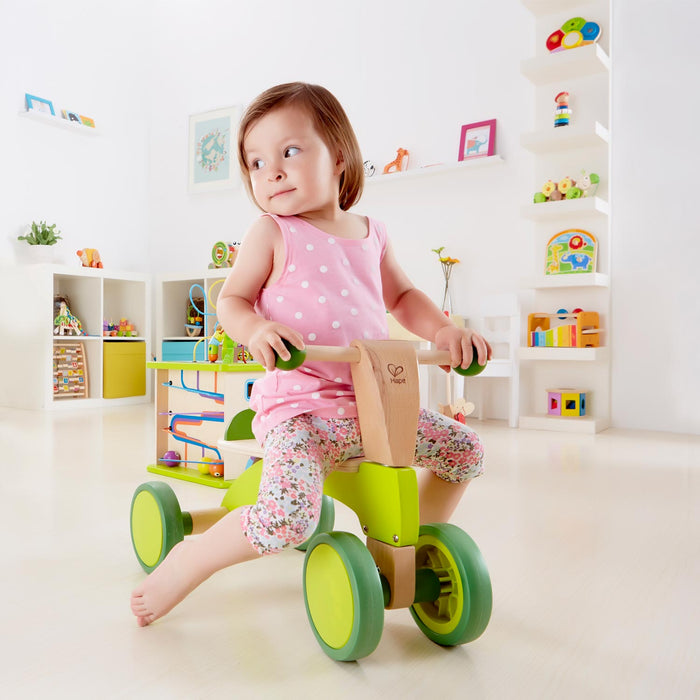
x: 584, y: 332
x: 223, y: 254
x: 570, y: 252
x: 65, y: 323
x: 573, y: 33
x: 567, y: 188
x: 89, y: 257
x: 566, y: 402
x: 399, y: 163
x: 562, y: 114
x: 70, y: 378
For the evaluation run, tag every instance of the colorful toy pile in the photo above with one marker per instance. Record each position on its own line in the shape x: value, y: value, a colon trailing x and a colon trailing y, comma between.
x: 584, y: 332
x: 123, y: 329
x: 573, y: 33
x: 568, y: 188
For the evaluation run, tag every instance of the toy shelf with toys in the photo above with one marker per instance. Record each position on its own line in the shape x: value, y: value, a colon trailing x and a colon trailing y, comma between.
x: 569, y: 220
x: 63, y: 311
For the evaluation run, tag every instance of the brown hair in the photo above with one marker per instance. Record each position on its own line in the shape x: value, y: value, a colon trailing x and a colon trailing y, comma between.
x: 330, y: 121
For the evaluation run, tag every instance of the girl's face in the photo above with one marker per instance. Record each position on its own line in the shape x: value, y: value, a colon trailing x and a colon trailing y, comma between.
x: 291, y: 169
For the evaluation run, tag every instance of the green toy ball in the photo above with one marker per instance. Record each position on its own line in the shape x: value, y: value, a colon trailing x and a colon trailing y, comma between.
x: 473, y: 369
x: 296, y: 360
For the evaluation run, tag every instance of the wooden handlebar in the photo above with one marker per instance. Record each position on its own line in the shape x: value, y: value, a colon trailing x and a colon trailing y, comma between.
x: 332, y: 353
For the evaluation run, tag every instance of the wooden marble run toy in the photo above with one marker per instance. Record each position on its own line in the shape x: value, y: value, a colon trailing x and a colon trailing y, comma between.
x: 566, y: 402
x: 584, y: 332
x: 435, y: 570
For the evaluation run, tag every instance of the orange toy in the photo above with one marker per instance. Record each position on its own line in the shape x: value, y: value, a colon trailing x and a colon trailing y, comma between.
x: 398, y: 164
x: 90, y: 257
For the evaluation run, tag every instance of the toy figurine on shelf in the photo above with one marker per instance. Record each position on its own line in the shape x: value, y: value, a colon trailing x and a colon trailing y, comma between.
x: 214, y: 342
x: 89, y: 257
x: 568, y: 188
x: 223, y: 254
x: 399, y: 163
x: 562, y: 113
x: 67, y: 324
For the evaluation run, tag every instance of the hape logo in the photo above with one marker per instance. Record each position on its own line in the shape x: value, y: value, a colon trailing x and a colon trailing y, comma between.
x: 395, y: 371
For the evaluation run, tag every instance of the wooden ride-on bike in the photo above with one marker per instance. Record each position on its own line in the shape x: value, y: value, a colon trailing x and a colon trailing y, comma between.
x: 435, y: 570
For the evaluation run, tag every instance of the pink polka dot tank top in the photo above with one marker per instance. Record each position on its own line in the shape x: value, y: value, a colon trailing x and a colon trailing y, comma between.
x: 330, y: 291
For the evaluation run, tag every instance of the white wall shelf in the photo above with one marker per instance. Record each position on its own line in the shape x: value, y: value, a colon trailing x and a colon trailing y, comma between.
x: 545, y: 211
x: 583, y: 279
x: 431, y: 170
x: 59, y: 122
x: 549, y: 7
x: 566, y: 138
x: 565, y: 354
x: 566, y: 65
x: 584, y: 424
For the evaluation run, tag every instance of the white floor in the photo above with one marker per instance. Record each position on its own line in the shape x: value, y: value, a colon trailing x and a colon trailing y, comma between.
x: 593, y: 544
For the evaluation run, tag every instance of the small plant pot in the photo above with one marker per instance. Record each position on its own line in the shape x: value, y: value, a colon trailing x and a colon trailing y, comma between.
x: 36, y: 254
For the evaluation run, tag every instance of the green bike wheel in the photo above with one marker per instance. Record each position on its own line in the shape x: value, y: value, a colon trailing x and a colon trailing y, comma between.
x: 156, y: 523
x: 343, y: 596
x: 462, y: 611
x: 326, y: 522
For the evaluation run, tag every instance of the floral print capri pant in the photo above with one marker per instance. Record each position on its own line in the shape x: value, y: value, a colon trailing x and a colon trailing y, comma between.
x: 302, y: 451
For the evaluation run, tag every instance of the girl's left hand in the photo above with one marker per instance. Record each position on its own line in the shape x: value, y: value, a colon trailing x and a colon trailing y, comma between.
x: 461, y: 343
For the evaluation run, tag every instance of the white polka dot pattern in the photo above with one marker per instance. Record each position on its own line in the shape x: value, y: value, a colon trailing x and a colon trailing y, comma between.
x: 330, y: 291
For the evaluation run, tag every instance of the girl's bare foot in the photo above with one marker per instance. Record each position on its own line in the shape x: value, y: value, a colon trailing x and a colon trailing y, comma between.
x: 168, y: 585
x: 188, y: 564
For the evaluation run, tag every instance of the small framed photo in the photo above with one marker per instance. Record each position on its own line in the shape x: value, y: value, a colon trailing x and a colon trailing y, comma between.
x: 39, y: 104
x: 213, y: 163
x: 478, y: 140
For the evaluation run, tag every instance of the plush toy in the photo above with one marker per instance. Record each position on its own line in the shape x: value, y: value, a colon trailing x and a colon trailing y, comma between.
x: 89, y: 257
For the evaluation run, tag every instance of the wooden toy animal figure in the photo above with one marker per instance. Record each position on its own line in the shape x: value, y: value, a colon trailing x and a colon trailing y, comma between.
x: 90, y: 257
x: 397, y: 165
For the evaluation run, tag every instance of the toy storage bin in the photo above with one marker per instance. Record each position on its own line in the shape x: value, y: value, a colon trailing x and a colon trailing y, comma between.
x: 181, y: 351
x: 124, y: 371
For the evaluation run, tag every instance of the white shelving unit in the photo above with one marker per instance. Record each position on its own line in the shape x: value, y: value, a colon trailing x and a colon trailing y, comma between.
x: 26, y: 345
x: 584, y: 72
x: 172, y: 294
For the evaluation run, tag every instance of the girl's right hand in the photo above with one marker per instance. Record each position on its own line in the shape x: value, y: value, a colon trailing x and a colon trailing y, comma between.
x: 267, y: 341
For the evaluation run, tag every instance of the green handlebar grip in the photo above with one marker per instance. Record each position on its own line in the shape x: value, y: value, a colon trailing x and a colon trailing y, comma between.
x: 473, y: 369
x: 296, y: 360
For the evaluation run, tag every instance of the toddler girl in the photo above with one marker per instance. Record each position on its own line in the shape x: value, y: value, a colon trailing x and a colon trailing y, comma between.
x: 309, y: 270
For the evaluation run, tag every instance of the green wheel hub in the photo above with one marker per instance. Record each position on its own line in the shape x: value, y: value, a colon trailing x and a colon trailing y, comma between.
x: 156, y: 523
x: 462, y: 611
x: 343, y: 596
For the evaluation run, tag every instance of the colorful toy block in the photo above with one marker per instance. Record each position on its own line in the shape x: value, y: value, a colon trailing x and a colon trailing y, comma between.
x: 566, y: 402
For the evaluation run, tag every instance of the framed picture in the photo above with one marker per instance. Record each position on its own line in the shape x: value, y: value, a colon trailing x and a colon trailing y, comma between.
x: 478, y: 140
x: 39, y: 104
x: 213, y: 164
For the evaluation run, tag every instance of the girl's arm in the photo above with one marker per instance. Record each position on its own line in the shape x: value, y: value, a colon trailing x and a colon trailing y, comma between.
x: 235, y: 306
x: 417, y: 313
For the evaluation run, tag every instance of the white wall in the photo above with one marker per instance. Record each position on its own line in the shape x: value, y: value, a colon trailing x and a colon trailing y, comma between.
x: 656, y: 285
x: 409, y: 74
x: 94, y: 60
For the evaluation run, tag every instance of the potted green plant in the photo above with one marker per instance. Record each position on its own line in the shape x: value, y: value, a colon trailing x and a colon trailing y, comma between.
x: 40, y: 237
